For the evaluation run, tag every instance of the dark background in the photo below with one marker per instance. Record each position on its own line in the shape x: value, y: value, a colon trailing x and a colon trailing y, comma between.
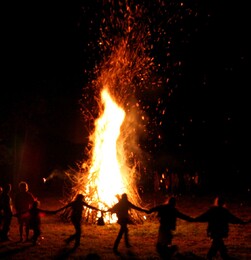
x: 46, y: 57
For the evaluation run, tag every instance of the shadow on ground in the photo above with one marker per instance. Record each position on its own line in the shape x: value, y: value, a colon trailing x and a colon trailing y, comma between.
x: 9, y: 250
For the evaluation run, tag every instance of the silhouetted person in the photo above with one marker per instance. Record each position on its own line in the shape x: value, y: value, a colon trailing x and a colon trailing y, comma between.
x: 5, y: 202
x: 22, y: 203
x: 167, y: 214
x: 121, y: 209
x: 218, y: 218
x: 77, y: 207
x: 34, y: 220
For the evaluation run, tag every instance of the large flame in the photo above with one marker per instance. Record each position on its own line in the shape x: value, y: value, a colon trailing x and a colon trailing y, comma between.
x: 108, y: 173
x: 108, y: 181
x: 125, y: 82
x: 112, y: 165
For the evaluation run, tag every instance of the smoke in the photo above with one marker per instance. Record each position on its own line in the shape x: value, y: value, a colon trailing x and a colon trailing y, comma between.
x: 56, y: 173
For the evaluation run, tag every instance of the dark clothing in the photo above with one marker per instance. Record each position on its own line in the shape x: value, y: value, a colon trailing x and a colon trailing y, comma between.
x: 35, y: 221
x: 5, y: 202
x: 122, y: 231
x: 122, y: 211
x: 167, y: 215
x: 217, y: 245
x: 77, y: 207
x: 218, y: 219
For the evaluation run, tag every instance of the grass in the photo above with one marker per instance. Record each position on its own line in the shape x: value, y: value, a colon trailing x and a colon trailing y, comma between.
x: 97, y: 241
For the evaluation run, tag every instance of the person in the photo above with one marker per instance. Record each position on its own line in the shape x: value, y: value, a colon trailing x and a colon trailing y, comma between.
x: 167, y: 214
x: 6, y: 206
x: 218, y: 218
x: 76, y: 207
x: 23, y: 201
x: 34, y: 219
x: 121, y: 209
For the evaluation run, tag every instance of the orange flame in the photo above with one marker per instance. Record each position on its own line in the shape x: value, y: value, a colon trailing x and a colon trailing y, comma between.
x: 109, y: 180
x: 106, y: 171
x: 120, y: 76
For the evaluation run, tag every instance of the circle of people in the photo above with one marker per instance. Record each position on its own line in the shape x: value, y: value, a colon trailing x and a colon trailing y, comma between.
x: 28, y: 212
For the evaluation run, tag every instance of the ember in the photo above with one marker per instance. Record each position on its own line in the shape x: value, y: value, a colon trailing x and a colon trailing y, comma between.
x: 113, y: 143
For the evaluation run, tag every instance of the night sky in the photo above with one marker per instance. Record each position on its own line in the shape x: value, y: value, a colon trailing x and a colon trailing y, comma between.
x: 47, y: 59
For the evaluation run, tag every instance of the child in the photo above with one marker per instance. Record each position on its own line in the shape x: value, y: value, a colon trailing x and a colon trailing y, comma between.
x: 34, y: 220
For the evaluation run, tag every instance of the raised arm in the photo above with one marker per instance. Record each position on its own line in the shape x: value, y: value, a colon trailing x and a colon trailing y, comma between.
x: 65, y: 207
x: 154, y: 209
x: 184, y: 216
x: 90, y: 206
x: 204, y: 217
x: 48, y: 211
x: 235, y: 220
x: 138, y: 208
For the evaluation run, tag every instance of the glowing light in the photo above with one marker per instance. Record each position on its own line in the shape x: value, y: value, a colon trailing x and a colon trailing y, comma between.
x: 109, y: 181
x: 112, y: 167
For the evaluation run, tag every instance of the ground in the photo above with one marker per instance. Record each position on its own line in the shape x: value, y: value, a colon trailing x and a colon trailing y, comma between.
x: 97, y: 241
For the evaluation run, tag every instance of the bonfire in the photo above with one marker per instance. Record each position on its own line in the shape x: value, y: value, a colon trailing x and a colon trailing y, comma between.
x: 116, y: 117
